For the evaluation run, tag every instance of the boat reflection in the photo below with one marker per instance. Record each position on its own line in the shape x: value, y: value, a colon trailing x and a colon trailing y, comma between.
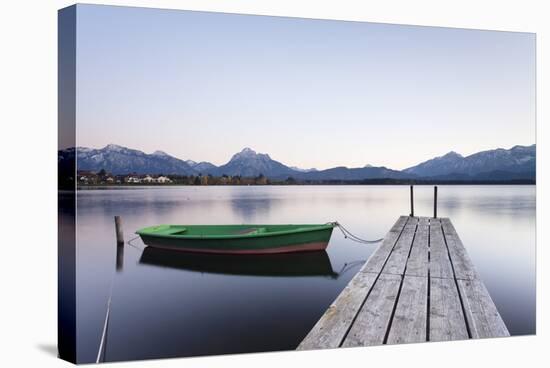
x: 282, y: 264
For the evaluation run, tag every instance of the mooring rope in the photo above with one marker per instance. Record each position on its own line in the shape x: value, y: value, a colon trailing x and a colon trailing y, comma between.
x: 135, y: 246
x: 349, y: 265
x: 349, y: 235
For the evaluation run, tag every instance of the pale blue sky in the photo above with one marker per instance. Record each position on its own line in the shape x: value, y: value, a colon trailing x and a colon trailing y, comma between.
x: 311, y: 93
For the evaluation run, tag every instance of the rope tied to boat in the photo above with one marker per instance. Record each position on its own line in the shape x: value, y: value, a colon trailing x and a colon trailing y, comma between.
x: 349, y: 235
x: 129, y: 242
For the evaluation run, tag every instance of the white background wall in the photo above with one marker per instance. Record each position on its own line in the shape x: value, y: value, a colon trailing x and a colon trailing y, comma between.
x: 28, y: 207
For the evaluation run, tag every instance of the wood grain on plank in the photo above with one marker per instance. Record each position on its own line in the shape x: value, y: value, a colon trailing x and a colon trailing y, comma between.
x: 398, y: 258
x: 399, y: 224
x: 409, y: 322
x: 481, y: 313
x: 417, y: 265
x: 423, y: 221
x: 440, y: 264
x: 446, y: 317
x: 330, y: 330
x: 448, y: 227
x: 463, y: 266
x: 378, y: 258
x: 372, y: 322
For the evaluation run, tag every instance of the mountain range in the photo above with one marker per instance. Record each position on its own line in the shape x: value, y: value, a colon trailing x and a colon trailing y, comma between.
x: 517, y: 160
x: 516, y: 163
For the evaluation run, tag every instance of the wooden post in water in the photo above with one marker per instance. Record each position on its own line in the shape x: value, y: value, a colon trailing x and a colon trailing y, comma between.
x: 118, y: 229
x: 435, y: 201
x: 412, y: 202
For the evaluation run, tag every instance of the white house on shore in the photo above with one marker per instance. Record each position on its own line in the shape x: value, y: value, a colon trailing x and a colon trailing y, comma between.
x: 148, y: 179
x: 133, y: 180
x: 163, y: 180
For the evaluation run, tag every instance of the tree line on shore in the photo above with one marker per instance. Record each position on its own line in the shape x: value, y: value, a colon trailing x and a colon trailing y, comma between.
x: 102, y: 177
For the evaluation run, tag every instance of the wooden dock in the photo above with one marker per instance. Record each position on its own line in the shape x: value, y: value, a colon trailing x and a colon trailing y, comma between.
x: 419, y: 285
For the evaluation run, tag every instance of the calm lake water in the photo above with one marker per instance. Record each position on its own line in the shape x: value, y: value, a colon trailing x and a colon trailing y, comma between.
x: 169, y: 305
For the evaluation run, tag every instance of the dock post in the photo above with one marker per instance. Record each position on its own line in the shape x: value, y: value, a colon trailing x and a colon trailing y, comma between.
x: 118, y: 229
x: 435, y: 201
x: 412, y: 202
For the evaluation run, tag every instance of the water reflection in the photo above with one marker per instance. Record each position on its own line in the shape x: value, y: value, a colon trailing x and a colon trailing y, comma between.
x: 187, y: 306
x: 491, y: 201
x: 119, y: 257
x: 497, y: 206
x: 249, y: 208
x: 138, y: 201
x: 272, y: 265
x: 66, y: 281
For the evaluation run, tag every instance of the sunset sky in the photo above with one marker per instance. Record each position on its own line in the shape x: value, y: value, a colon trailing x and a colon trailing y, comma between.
x: 311, y: 93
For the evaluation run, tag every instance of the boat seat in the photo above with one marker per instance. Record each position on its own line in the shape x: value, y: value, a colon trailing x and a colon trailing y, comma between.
x: 250, y: 231
x: 176, y: 231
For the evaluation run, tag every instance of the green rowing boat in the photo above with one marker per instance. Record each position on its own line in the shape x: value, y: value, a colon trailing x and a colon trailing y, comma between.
x: 238, y: 239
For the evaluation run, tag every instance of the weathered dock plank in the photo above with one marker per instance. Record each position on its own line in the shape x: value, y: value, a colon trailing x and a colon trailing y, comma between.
x: 419, y: 285
x: 448, y: 226
x: 440, y: 263
x: 417, y: 265
x: 378, y: 259
x: 481, y: 313
x: 398, y: 258
x: 330, y: 330
x: 371, y: 324
x: 409, y: 321
x: 399, y: 224
x: 423, y: 221
x: 463, y: 266
x: 446, y: 318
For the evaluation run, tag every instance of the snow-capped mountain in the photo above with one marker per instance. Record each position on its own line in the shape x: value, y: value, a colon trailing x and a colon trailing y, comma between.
x: 517, y: 160
x: 121, y: 160
x: 303, y: 170
x: 249, y: 163
x: 517, y: 163
x: 160, y: 154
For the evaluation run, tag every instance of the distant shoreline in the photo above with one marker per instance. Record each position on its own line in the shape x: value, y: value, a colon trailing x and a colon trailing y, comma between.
x: 138, y: 186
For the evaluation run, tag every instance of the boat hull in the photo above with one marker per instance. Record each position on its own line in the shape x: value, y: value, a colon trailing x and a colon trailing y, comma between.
x: 307, y: 247
x: 287, y: 242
